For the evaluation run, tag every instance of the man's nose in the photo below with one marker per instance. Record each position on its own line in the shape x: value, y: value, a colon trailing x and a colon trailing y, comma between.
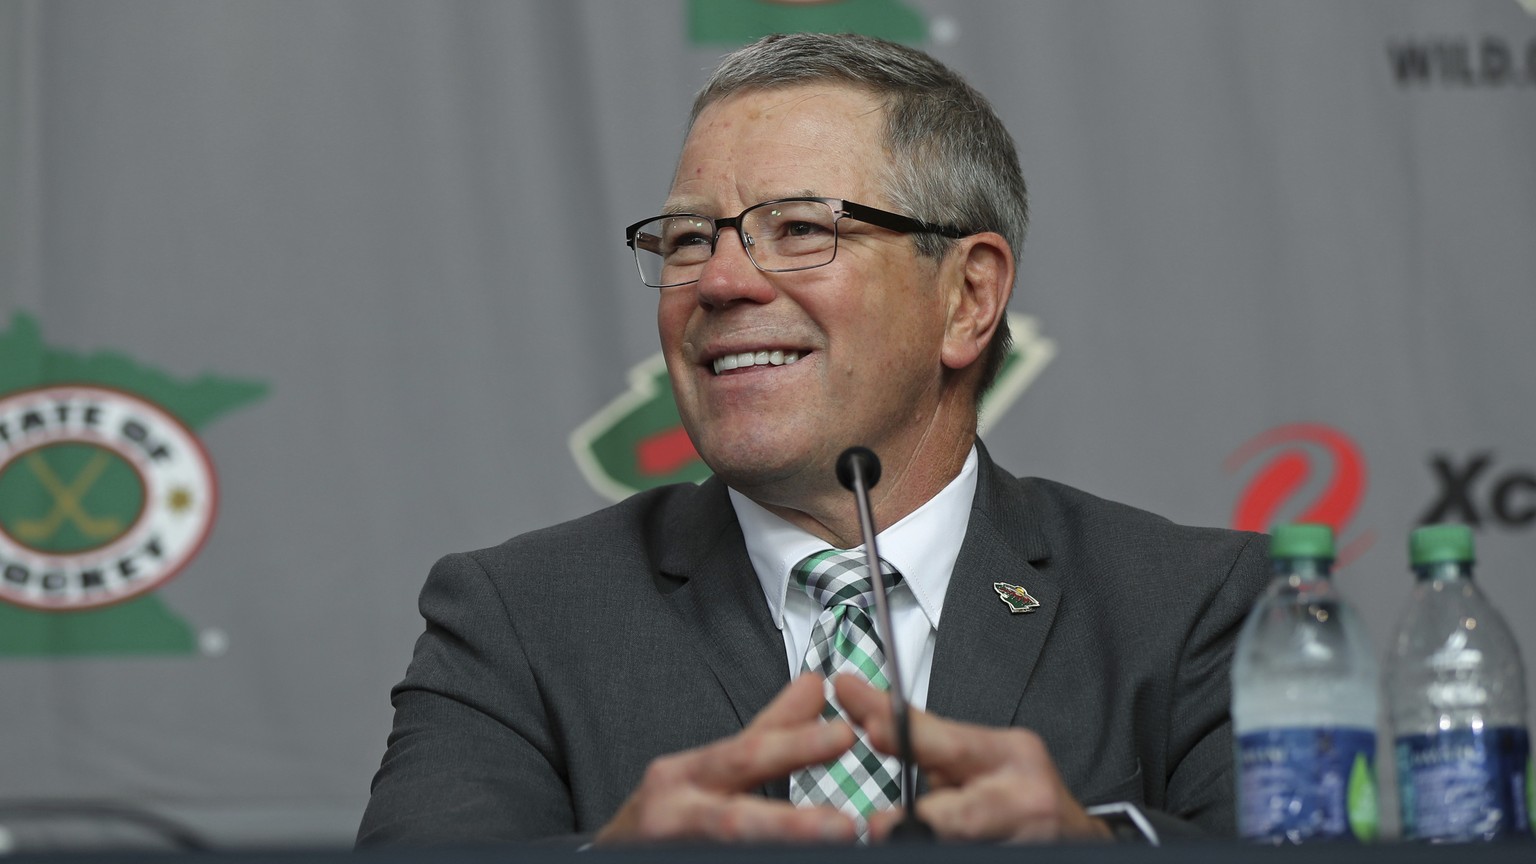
x: 729, y: 276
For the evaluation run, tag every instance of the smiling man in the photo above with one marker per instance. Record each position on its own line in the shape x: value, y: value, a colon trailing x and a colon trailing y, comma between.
x: 833, y: 265
x: 887, y: 340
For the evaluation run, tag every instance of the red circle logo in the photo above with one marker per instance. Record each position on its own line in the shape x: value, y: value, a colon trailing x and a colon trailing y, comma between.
x: 1302, y: 472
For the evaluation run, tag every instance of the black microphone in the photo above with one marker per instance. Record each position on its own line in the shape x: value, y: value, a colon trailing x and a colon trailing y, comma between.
x: 858, y: 469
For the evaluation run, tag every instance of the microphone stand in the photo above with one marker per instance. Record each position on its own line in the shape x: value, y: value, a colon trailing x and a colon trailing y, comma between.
x: 858, y: 469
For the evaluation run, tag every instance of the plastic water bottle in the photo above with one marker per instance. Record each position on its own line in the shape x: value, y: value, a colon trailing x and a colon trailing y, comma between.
x: 1304, y: 704
x: 1456, y: 691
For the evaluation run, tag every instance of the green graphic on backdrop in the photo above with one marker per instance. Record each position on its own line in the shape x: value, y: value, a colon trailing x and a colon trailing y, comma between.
x: 737, y: 22
x: 94, y: 445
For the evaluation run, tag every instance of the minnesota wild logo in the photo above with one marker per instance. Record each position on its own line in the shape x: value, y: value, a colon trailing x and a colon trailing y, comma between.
x: 105, y: 495
x: 637, y: 441
x: 1017, y: 598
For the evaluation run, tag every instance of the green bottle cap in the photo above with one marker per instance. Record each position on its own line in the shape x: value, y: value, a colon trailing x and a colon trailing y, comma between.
x: 1301, y: 541
x: 1434, y: 544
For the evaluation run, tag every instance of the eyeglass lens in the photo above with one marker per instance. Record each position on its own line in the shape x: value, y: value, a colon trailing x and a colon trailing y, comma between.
x: 778, y: 236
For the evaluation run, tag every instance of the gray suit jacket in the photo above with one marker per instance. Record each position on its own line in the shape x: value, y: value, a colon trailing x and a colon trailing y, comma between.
x: 555, y: 666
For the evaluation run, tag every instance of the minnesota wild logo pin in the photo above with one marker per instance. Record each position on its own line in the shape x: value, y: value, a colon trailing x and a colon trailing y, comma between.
x: 1016, y: 597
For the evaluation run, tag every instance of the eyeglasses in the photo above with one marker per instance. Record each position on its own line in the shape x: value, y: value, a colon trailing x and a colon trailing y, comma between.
x: 779, y: 236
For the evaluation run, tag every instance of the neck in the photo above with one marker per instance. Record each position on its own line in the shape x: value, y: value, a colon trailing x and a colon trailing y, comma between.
x: 909, y: 479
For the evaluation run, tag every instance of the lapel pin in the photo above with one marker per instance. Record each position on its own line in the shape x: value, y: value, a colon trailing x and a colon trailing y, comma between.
x: 1016, y: 597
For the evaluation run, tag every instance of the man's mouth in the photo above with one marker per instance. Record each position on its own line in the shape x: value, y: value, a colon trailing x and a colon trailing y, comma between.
x: 748, y: 359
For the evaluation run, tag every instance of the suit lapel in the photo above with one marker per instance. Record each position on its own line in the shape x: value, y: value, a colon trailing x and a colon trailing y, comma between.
x: 720, y: 607
x: 985, y: 654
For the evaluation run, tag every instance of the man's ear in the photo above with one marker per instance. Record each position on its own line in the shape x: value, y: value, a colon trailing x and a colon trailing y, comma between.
x: 978, y: 274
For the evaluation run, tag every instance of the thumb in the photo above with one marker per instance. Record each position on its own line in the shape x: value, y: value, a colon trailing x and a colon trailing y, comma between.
x: 869, y: 709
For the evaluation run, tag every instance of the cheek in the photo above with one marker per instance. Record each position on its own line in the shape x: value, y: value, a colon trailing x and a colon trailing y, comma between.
x: 672, y: 320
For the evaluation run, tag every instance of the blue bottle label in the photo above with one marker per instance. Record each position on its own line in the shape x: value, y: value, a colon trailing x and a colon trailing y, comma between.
x: 1297, y: 785
x: 1465, y: 784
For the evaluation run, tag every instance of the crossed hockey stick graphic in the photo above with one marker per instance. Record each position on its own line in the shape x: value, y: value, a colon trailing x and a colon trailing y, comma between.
x: 66, y: 502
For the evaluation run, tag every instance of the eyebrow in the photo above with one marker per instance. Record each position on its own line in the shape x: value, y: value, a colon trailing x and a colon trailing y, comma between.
x: 688, y: 207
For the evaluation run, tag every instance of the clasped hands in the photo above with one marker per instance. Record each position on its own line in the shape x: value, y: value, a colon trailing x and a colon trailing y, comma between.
x: 986, y: 784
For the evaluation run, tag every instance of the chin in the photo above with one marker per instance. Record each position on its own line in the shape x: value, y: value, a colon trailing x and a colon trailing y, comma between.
x: 757, y: 460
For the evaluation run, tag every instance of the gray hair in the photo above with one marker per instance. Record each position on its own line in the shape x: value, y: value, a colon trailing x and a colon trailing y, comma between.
x: 952, y: 161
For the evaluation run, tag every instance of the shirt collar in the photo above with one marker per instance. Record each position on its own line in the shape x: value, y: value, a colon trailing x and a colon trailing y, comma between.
x: 923, y: 546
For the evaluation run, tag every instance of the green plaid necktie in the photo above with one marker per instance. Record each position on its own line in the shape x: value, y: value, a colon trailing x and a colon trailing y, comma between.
x: 861, y: 781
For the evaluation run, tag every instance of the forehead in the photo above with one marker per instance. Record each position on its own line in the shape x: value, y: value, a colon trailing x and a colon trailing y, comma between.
x: 761, y: 144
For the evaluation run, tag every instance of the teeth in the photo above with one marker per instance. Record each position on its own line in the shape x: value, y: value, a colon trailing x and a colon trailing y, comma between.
x: 748, y: 359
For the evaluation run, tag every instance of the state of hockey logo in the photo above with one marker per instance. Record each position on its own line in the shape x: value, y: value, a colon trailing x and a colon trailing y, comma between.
x: 103, y: 496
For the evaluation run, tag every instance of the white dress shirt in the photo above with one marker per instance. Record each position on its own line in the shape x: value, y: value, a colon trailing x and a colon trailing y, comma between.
x: 922, y: 547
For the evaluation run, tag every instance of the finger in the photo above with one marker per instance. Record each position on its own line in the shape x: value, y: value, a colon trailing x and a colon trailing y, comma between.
x: 755, y: 756
x: 957, y: 814
x: 984, y: 810
x: 882, y: 822
x: 868, y: 708
x: 951, y: 752
x: 750, y: 819
x: 693, y: 814
x: 1009, y: 806
x: 800, y: 701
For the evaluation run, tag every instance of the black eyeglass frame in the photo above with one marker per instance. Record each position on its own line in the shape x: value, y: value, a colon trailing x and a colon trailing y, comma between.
x: 841, y: 209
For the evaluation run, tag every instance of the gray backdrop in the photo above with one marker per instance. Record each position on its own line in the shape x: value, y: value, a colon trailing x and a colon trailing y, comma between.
x: 396, y: 226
